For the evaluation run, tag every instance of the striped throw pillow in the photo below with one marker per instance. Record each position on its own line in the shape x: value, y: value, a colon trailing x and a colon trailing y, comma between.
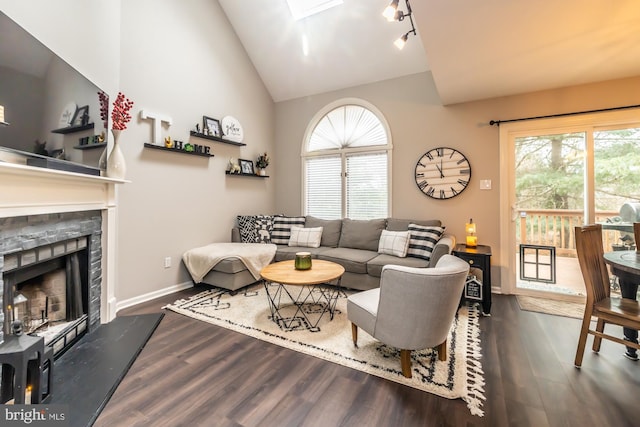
x: 422, y: 240
x: 281, y: 231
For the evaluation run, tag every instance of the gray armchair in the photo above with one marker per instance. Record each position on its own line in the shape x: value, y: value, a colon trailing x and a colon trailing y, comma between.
x: 413, y: 309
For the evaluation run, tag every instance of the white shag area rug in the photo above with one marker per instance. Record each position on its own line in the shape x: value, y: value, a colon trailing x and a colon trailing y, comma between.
x: 247, y: 312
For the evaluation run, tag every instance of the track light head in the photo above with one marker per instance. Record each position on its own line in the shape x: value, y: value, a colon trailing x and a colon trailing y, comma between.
x: 390, y: 11
x: 400, y: 42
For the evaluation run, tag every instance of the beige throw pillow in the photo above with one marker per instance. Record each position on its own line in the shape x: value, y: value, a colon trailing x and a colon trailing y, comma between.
x: 305, y: 237
x: 394, y: 243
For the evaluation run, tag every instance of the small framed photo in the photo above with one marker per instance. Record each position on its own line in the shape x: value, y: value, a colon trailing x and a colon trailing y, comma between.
x: 246, y: 166
x: 211, y: 127
x: 81, y: 116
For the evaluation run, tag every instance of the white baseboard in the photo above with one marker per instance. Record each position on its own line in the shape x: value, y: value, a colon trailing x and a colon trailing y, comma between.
x: 153, y: 295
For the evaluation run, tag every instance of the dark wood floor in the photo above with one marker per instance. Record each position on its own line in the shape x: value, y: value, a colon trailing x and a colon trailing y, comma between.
x: 195, y: 374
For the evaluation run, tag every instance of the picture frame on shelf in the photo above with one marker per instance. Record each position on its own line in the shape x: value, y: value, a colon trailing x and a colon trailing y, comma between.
x: 246, y: 167
x: 66, y: 118
x: 81, y: 116
x: 211, y: 127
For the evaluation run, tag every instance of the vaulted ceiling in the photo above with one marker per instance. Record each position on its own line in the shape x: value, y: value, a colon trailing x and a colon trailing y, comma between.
x: 474, y: 49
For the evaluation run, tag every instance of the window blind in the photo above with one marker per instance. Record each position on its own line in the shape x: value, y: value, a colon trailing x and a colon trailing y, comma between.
x: 361, y: 190
x: 324, y: 187
x: 367, y: 186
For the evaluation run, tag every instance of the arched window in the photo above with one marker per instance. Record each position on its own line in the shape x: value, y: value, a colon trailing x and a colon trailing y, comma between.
x: 346, y: 163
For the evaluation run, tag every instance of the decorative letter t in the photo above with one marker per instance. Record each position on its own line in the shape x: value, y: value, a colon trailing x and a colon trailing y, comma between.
x: 157, y: 120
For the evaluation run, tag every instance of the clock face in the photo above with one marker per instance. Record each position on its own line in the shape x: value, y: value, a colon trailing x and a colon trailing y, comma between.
x: 443, y: 173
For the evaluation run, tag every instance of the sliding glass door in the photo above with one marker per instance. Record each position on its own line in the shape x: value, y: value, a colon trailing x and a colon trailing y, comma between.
x: 561, y: 173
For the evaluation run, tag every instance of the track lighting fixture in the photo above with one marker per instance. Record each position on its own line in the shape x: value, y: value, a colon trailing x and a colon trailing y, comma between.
x: 392, y: 13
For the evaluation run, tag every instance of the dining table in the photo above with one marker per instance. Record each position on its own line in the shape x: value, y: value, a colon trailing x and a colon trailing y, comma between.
x: 626, y: 266
x: 626, y: 261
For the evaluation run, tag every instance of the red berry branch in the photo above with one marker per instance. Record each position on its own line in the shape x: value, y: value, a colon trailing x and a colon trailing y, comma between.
x: 104, y: 107
x: 120, y: 113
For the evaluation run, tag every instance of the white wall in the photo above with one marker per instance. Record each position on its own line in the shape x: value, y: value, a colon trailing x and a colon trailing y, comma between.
x: 419, y: 122
x: 181, y: 59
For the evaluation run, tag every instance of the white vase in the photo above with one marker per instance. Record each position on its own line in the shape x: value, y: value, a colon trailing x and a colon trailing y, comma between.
x: 102, y: 163
x: 263, y: 172
x: 116, y: 166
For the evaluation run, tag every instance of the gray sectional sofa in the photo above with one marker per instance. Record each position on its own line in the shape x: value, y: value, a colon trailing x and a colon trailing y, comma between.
x: 350, y: 243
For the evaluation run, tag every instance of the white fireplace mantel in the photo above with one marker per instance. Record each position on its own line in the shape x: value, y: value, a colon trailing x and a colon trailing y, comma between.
x: 27, y: 190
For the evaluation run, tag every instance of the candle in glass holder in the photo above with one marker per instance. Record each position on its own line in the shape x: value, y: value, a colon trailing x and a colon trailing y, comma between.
x: 472, y: 239
x: 303, y: 261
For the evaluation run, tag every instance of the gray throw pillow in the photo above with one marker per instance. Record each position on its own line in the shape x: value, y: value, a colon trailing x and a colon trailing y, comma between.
x: 330, y: 230
x: 361, y: 234
x: 397, y: 224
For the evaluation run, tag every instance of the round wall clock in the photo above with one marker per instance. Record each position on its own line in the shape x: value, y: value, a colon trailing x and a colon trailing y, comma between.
x: 443, y: 173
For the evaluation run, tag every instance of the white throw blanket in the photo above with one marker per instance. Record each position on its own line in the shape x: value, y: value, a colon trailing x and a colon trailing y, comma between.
x: 255, y: 256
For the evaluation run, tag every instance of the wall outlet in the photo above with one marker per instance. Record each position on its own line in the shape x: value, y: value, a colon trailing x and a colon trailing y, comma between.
x: 167, y: 262
x: 485, y: 184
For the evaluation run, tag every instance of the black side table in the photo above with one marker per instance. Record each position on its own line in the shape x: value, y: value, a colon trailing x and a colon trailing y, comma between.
x: 478, y: 257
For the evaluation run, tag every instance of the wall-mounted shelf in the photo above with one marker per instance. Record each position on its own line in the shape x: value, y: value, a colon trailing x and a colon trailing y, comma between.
x: 90, y: 146
x: 4, y: 124
x: 72, y: 129
x: 215, y: 138
x: 173, y: 150
x: 246, y: 174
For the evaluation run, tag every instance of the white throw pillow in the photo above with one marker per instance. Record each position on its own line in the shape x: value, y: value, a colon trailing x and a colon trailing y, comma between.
x: 305, y: 237
x: 394, y: 243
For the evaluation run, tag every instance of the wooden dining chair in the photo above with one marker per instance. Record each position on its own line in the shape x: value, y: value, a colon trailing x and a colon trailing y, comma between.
x: 600, y: 304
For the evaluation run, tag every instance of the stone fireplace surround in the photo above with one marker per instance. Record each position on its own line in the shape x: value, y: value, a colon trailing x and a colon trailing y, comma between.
x: 38, y: 236
x: 75, y: 204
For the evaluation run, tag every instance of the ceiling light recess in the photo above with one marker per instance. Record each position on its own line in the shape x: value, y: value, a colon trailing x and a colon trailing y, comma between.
x: 303, y: 8
x: 392, y: 13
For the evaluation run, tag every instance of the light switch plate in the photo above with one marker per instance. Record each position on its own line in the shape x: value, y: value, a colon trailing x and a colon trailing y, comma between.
x: 485, y: 184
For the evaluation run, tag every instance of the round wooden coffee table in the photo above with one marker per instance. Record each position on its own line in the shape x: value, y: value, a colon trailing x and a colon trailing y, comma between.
x: 309, y: 294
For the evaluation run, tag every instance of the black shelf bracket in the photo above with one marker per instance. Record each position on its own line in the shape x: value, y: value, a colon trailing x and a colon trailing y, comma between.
x: 72, y: 129
x: 174, y: 150
x: 216, y: 138
x: 246, y: 174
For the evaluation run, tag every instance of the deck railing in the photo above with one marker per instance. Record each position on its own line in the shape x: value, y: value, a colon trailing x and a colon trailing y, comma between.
x: 555, y: 227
